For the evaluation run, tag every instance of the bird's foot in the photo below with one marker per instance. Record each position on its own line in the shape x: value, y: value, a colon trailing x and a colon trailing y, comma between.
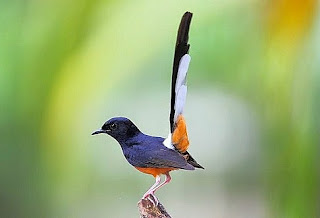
x: 151, y: 197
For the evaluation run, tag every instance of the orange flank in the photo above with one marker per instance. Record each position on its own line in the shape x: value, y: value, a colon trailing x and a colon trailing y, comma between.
x: 179, y: 136
x: 154, y: 171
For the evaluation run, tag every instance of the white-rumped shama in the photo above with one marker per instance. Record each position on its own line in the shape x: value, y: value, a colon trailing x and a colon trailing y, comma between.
x: 156, y: 155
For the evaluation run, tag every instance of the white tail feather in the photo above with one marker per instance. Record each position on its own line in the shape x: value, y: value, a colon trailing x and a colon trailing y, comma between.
x: 168, y: 142
x: 182, y: 71
x: 180, y: 87
x: 180, y: 101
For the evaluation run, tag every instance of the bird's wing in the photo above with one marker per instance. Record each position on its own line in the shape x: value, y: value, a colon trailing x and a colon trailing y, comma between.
x: 155, y: 155
x: 178, y: 136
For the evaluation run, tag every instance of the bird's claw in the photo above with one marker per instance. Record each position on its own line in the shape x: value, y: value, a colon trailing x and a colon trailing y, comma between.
x: 152, y: 198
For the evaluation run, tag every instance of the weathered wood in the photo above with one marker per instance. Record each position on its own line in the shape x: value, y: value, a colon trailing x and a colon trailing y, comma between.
x: 148, y: 210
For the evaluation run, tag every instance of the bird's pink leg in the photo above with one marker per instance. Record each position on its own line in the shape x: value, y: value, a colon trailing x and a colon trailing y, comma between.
x: 167, y: 180
x: 150, y: 193
x: 151, y: 190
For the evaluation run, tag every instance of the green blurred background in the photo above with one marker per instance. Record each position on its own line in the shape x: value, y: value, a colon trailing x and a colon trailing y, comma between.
x: 252, y: 109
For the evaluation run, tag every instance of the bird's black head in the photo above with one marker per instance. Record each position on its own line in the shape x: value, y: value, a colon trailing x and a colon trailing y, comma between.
x: 120, y: 128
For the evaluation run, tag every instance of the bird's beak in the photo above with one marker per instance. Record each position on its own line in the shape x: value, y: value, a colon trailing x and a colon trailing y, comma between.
x: 98, y: 132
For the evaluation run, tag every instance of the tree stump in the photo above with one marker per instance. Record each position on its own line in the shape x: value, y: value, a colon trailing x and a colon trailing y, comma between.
x: 148, y: 210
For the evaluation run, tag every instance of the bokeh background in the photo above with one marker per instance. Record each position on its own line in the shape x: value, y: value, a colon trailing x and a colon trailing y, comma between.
x: 66, y: 66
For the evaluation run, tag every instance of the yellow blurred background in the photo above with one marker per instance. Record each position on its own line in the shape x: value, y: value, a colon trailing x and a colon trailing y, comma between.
x: 66, y: 66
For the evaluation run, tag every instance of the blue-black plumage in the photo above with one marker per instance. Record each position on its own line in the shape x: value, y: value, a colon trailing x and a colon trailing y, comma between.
x: 142, y: 150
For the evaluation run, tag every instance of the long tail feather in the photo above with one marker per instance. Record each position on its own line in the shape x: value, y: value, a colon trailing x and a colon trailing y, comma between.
x: 182, y: 48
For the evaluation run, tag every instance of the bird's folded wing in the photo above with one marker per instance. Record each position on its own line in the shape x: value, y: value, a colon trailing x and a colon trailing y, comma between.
x: 159, y: 158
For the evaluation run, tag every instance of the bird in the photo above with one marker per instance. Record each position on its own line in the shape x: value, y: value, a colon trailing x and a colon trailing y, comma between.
x: 157, y: 155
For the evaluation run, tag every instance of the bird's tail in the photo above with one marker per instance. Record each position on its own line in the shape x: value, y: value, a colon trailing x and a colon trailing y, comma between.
x: 179, y: 87
x: 179, y: 137
x: 179, y: 72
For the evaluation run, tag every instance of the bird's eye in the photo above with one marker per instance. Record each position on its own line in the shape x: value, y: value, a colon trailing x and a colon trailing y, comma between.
x: 113, y: 126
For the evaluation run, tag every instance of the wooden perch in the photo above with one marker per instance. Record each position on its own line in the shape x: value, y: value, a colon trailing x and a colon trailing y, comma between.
x: 148, y: 210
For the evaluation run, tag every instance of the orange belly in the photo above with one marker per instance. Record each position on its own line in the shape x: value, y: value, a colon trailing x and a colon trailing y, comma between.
x: 155, y: 171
